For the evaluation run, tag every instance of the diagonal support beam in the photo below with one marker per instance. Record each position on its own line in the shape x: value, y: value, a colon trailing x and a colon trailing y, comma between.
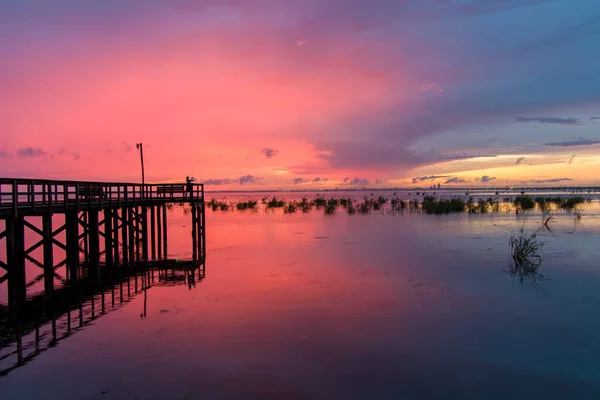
x: 33, y: 227
x: 34, y: 261
x: 35, y: 246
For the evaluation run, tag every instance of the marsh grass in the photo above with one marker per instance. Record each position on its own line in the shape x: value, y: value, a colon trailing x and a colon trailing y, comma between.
x: 219, y: 205
x: 571, y: 202
x: 524, y: 202
x: 471, y: 206
x: 320, y: 202
x: 246, y: 205
x: 289, y: 207
x: 431, y: 205
x: 525, y: 255
x: 276, y: 203
x: 305, y: 205
x: 330, y: 208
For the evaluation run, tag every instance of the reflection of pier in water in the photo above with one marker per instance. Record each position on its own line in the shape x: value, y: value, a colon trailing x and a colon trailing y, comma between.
x: 42, y: 322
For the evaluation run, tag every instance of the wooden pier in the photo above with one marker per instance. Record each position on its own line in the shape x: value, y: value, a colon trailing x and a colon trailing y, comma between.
x: 91, y: 224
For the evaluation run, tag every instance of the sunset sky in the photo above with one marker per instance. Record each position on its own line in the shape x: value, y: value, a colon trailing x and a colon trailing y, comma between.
x: 307, y: 94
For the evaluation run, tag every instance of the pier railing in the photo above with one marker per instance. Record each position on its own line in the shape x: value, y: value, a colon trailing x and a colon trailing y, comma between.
x: 36, y: 195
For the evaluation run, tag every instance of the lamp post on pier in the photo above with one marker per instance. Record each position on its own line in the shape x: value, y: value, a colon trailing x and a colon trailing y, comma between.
x: 140, y: 148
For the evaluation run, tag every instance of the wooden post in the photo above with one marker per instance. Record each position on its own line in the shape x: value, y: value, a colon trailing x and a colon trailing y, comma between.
x: 48, y: 256
x: 136, y: 211
x: 144, y: 224
x: 94, y: 244
x: 159, y: 230
x: 108, y: 237
x: 86, y: 233
x: 15, y: 251
x: 153, y: 232
x: 203, y: 228
x: 124, y: 236
x: 72, y: 239
x: 116, y: 234
x: 194, y: 233
x: 132, y: 245
x: 165, y: 251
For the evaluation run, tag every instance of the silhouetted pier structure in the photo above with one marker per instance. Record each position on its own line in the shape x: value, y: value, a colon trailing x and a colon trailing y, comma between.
x: 41, y: 323
x: 105, y: 224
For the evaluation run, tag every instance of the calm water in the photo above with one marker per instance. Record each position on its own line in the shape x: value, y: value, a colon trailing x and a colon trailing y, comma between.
x: 376, y: 306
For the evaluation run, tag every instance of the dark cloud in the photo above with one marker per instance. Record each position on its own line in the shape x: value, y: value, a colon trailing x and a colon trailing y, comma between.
x: 269, y: 152
x: 418, y: 179
x: 356, y: 181
x: 319, y: 180
x: 571, y: 159
x: 62, y: 152
x: 573, y: 142
x: 549, y: 120
x: 298, y: 181
x: 455, y: 180
x: 31, y: 152
x: 485, y: 178
x: 341, y: 155
x: 219, y: 182
x: 520, y: 160
x: 4, y: 155
x: 551, y: 180
x: 248, y: 179
x: 594, y: 118
x: 381, y: 181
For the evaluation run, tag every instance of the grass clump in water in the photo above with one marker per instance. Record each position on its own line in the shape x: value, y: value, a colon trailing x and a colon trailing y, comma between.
x: 414, y: 205
x: 289, y: 207
x: 305, y: 205
x: 571, y: 202
x: 218, y: 205
x: 525, y: 252
x: 543, y: 204
x: 524, y: 202
x: 276, y: 203
x: 320, y: 202
x: 471, y: 206
x: 246, y: 205
x: 431, y: 205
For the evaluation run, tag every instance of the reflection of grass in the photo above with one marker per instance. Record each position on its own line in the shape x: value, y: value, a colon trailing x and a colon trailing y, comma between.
x: 289, y: 207
x: 526, y: 256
